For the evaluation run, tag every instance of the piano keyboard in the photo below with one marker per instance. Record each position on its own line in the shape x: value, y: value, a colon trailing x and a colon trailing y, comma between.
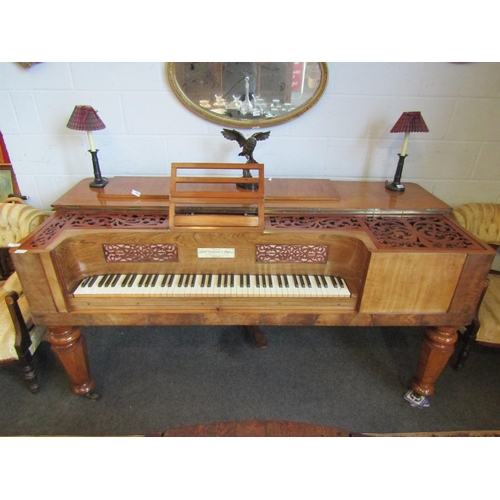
x: 213, y: 285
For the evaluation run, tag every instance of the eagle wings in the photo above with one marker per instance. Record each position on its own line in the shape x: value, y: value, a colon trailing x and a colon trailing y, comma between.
x: 247, y: 144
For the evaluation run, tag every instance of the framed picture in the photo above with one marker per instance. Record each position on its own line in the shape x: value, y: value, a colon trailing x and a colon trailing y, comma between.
x: 8, y: 184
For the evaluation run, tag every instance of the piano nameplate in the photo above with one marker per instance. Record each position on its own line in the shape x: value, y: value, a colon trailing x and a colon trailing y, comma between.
x: 216, y: 253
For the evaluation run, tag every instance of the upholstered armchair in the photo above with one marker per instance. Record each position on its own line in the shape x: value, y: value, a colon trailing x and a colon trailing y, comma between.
x: 483, y: 221
x: 17, y: 220
x: 19, y: 338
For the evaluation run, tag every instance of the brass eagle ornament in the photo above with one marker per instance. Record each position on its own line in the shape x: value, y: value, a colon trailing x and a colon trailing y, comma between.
x: 247, y: 144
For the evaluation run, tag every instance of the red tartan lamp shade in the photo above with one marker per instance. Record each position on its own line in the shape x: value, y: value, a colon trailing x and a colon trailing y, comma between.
x: 85, y: 118
x: 410, y: 121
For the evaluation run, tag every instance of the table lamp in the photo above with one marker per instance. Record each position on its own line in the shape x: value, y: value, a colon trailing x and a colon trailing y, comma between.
x: 86, y: 118
x: 409, y: 121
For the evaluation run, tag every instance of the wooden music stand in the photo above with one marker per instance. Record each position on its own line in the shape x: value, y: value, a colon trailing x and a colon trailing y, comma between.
x: 207, y: 202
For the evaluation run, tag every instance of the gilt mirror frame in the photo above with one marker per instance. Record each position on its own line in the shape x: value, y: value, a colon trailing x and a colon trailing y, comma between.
x: 179, y: 86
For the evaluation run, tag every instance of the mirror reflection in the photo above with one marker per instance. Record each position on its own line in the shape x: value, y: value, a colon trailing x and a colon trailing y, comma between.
x: 248, y: 94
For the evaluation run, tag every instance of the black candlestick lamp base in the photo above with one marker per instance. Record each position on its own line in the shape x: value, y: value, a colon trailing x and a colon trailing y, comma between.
x: 99, y: 181
x: 396, y: 185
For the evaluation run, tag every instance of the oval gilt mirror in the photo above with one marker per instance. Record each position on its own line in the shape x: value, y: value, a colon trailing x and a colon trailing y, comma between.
x: 248, y: 95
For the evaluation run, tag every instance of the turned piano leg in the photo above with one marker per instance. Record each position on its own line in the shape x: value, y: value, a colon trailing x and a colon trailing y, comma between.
x: 437, y: 348
x: 69, y: 345
x: 257, y: 335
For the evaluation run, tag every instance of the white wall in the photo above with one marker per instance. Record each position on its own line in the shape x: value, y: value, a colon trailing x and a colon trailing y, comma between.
x: 345, y: 136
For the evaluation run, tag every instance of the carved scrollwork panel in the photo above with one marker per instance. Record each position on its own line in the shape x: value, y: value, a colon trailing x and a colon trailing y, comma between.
x: 141, y: 253
x: 62, y: 221
x: 317, y: 254
x: 425, y: 231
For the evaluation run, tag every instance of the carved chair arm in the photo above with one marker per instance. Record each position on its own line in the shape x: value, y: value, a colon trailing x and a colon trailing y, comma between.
x: 23, y: 338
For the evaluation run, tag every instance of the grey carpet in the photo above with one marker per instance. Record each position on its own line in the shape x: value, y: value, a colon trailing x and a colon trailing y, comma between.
x: 152, y: 378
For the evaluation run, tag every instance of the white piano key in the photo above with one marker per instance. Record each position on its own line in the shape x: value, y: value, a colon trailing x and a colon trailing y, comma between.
x: 132, y: 287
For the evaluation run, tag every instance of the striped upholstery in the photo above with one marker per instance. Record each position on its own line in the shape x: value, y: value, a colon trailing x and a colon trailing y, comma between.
x: 483, y: 220
x: 17, y: 220
x: 489, y: 313
x: 7, y: 331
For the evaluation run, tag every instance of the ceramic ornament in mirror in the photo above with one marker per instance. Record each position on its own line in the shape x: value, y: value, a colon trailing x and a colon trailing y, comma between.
x: 248, y: 94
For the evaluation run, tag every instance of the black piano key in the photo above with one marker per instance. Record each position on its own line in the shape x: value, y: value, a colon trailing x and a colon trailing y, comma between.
x: 103, y: 280
x: 325, y: 282
x: 318, y: 281
x: 301, y: 281
x: 231, y: 280
x: 193, y: 280
x: 115, y: 280
x: 131, y: 280
x: 154, y: 280
x: 257, y: 280
x: 180, y: 280
x: 92, y: 281
x: 285, y: 279
x: 334, y: 281
x: 164, y: 280
x: 109, y: 279
x: 270, y: 280
x: 209, y: 283
x: 296, y: 281
x: 248, y: 280
x: 308, y: 281
x: 125, y: 280
x: 170, y: 281
x: 280, y: 282
x: 85, y: 281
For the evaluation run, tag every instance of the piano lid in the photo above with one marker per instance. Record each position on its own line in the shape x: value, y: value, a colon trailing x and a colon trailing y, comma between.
x: 281, y: 196
x: 360, y: 197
